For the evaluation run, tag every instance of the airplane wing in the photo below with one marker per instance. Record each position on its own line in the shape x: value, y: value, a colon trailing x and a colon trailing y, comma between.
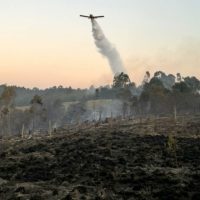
x: 98, y: 16
x: 84, y: 16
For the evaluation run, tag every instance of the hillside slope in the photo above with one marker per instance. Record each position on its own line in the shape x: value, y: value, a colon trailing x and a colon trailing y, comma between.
x: 127, y: 160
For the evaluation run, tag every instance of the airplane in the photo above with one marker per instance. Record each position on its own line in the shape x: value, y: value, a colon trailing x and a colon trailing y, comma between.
x: 91, y: 16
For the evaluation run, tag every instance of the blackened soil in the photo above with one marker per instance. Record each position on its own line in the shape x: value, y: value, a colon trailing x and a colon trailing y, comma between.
x: 100, y: 163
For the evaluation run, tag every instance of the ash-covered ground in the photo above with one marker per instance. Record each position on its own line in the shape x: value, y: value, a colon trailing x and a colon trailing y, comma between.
x: 127, y: 159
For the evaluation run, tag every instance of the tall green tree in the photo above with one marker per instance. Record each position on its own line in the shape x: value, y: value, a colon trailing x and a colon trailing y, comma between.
x: 121, y: 81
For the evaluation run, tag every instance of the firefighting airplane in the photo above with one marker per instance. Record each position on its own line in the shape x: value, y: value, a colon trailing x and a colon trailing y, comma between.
x: 91, y: 16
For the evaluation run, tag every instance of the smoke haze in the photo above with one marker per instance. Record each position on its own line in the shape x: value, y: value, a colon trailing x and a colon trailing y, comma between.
x: 107, y: 49
x: 183, y: 57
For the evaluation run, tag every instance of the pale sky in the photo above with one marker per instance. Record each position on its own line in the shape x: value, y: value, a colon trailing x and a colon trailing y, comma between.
x: 45, y: 43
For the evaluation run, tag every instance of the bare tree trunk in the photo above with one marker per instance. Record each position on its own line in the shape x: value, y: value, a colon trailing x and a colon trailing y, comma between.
x: 22, y: 132
x: 9, y: 128
x: 100, y: 113
x: 175, y: 113
x: 94, y: 110
x: 50, y: 128
x: 33, y: 123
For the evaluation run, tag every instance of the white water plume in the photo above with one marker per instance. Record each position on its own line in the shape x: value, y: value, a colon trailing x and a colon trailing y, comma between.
x: 107, y: 49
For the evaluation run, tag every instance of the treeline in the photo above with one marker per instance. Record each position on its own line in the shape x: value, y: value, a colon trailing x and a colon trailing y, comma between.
x: 183, y: 97
x: 23, y: 95
x: 161, y: 95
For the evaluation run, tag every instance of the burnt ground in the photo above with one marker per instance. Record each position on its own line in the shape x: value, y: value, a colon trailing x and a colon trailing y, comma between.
x: 151, y: 159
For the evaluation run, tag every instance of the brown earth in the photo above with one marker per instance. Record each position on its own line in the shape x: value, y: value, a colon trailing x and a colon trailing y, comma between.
x: 135, y: 159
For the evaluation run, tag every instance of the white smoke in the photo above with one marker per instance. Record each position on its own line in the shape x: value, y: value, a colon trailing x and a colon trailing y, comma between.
x: 107, y: 49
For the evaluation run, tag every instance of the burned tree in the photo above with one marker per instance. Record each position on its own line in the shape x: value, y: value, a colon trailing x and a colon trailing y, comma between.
x: 38, y: 112
x: 76, y: 113
x: 6, y: 105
